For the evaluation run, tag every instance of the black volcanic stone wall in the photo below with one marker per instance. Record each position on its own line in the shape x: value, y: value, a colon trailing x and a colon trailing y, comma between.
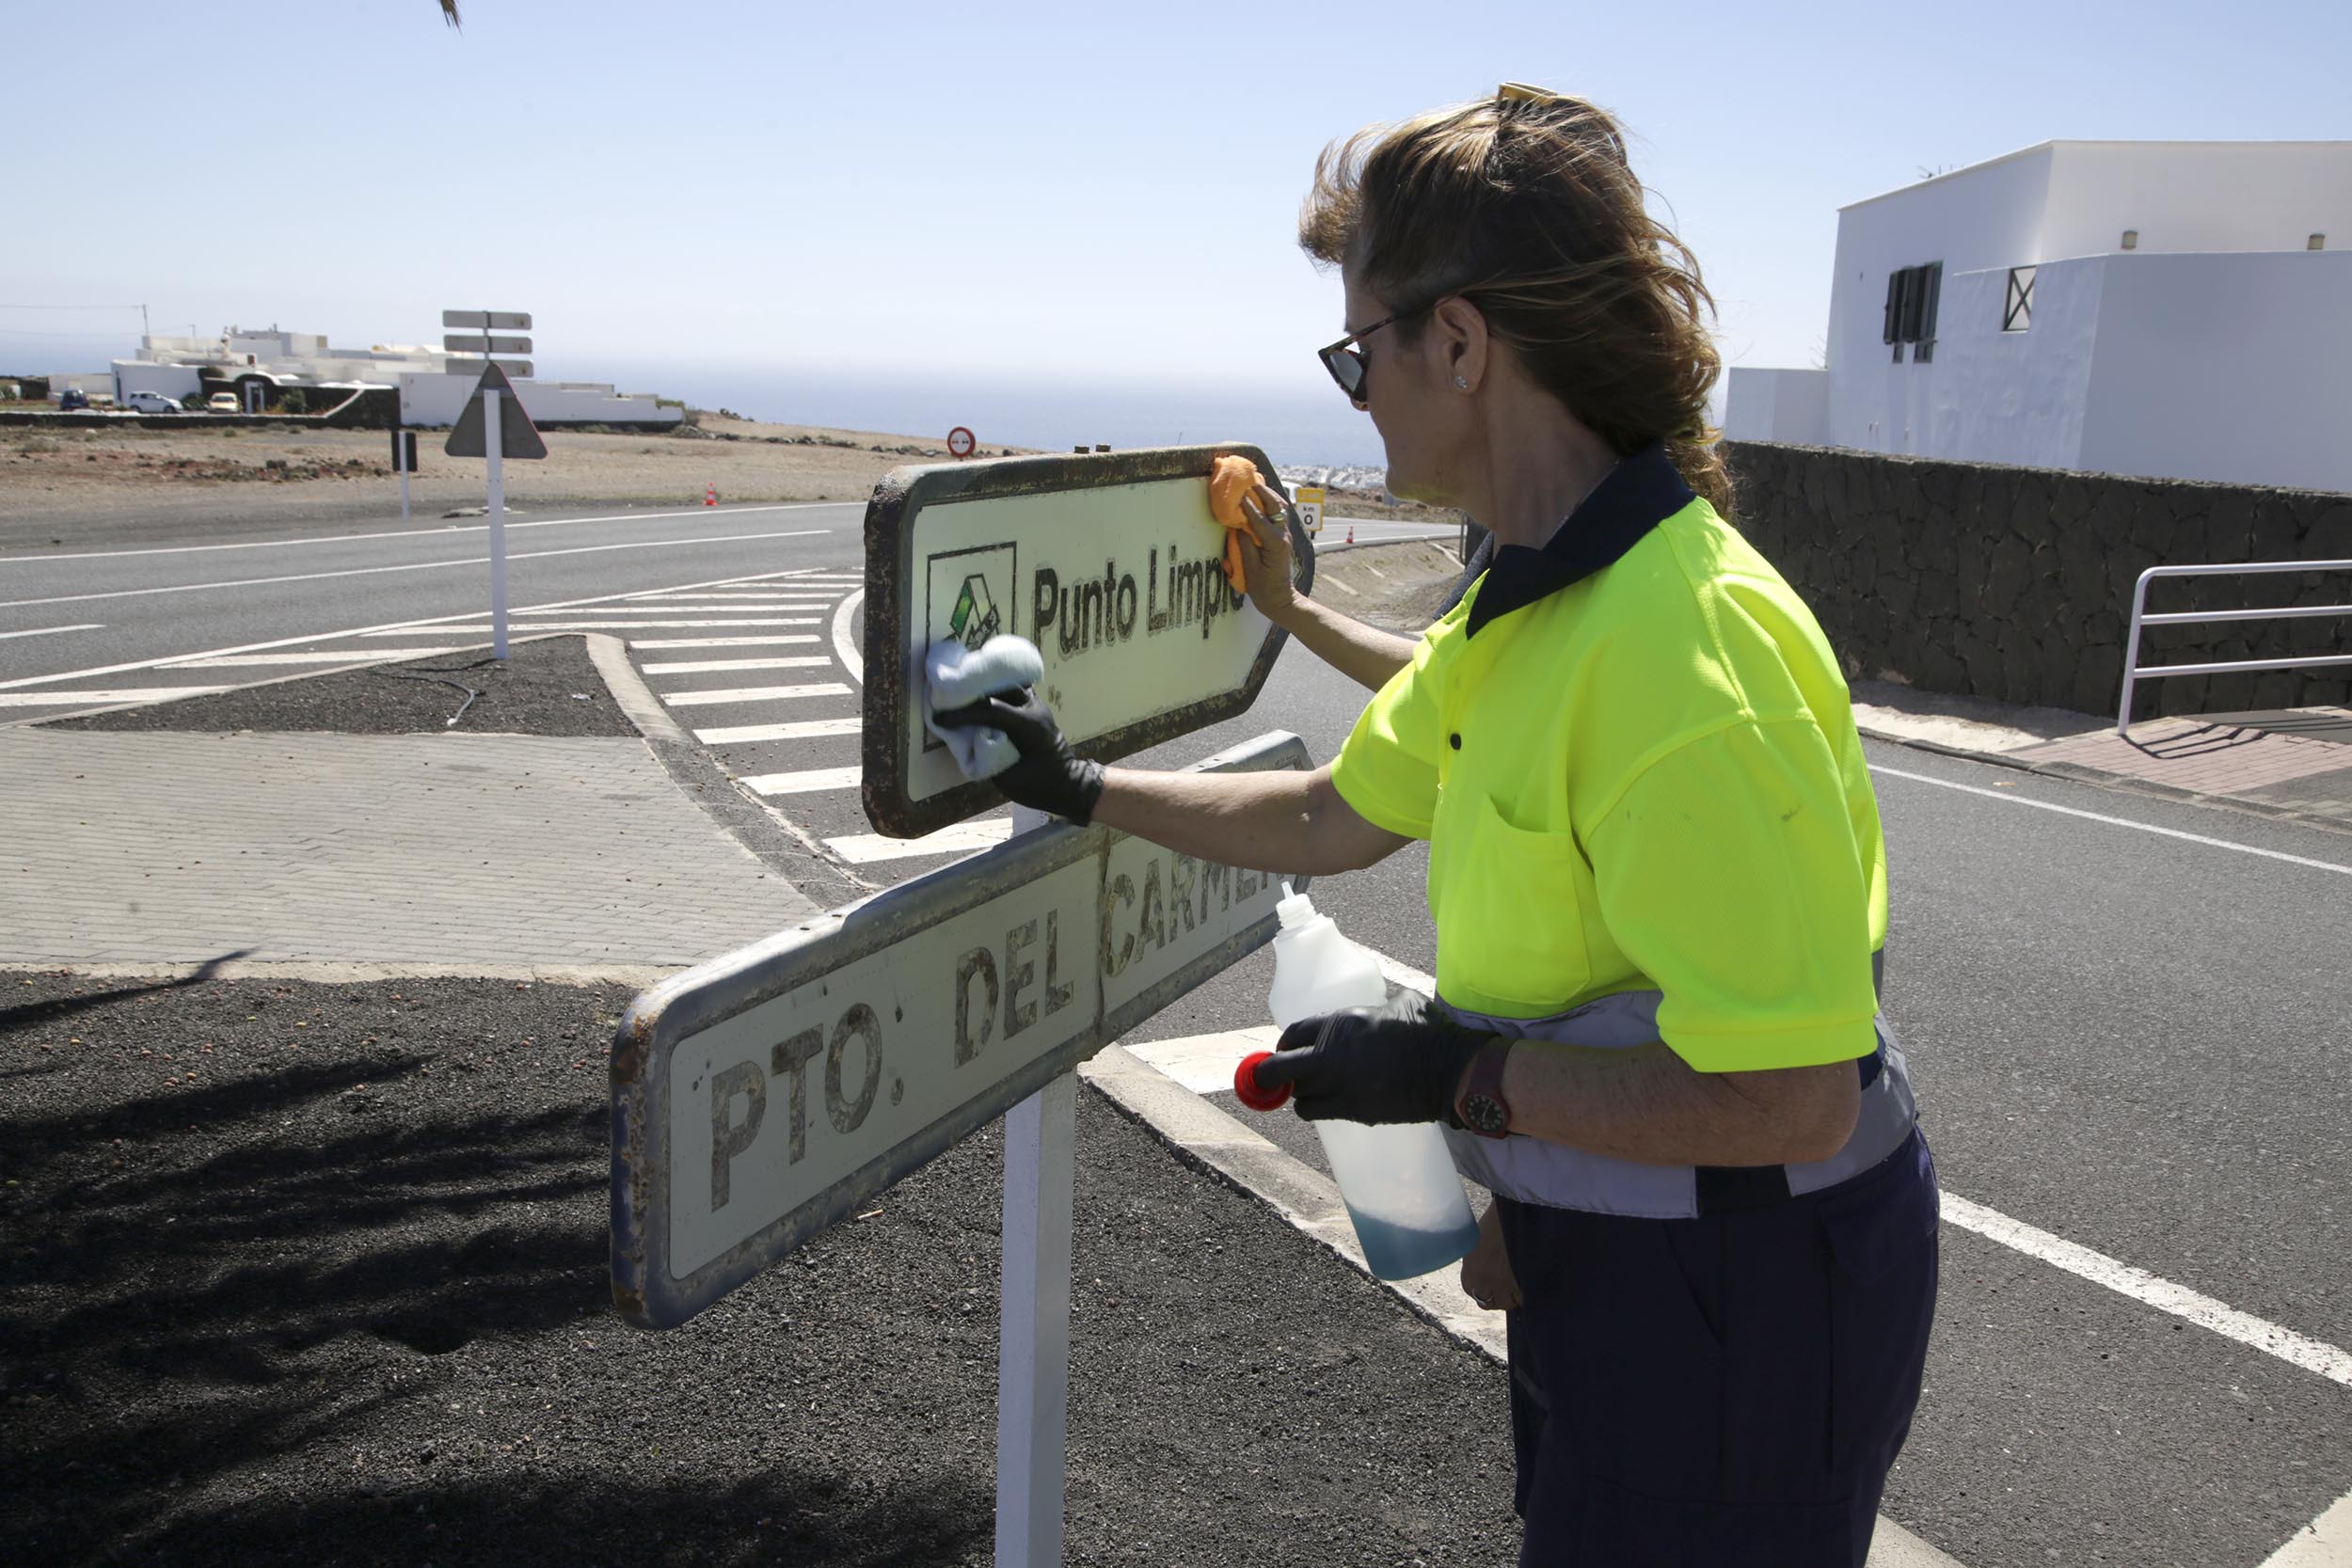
x: 2015, y: 584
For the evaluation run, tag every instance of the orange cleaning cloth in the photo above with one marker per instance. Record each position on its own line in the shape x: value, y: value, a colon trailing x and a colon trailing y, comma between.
x: 1229, y: 481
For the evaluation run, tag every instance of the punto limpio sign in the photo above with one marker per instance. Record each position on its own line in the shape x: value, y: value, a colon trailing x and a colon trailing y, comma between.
x: 1107, y: 562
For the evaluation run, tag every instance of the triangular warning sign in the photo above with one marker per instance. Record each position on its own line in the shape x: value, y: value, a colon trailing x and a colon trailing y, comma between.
x: 517, y: 435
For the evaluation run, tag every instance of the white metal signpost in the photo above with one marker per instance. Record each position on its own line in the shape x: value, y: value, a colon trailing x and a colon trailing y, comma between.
x: 761, y: 1096
x: 494, y: 426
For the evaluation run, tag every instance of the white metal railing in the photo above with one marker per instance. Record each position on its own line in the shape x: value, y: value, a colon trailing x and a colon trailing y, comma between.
x: 2132, y: 668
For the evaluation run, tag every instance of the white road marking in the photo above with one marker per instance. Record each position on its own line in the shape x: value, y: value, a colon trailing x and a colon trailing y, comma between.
x: 961, y: 839
x: 639, y: 608
x: 753, y: 694
x: 1204, y: 1063
x: 406, y: 566
x: 2325, y: 1542
x: 667, y: 597
x: 2115, y: 821
x: 483, y: 630
x: 424, y: 626
x: 719, y: 642
x: 843, y: 644
x: 413, y: 532
x: 47, y: 631
x: 808, y: 783
x: 799, y: 730
x: 726, y: 666
x: 331, y: 656
x: 2311, y: 1355
x: 136, y: 694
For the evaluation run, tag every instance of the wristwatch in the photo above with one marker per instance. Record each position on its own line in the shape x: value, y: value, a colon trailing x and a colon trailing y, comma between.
x: 1481, y: 1108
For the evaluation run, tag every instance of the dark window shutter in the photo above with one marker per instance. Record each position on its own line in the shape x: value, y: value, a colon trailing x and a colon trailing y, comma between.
x: 1894, y: 299
x: 1932, y: 281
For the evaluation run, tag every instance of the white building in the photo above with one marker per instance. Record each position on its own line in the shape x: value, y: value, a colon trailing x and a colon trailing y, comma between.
x: 2173, y: 309
x: 433, y: 384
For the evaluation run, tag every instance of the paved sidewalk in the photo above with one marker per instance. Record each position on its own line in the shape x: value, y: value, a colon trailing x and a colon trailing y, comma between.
x: 458, y: 854
x: 2294, y: 762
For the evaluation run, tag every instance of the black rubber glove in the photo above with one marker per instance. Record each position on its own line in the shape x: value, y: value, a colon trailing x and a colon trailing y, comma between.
x: 1050, y: 777
x: 1403, y: 1061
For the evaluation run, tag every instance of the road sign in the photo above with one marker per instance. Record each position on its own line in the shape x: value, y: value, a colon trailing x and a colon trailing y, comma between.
x: 403, y: 452
x: 488, y: 321
x: 961, y: 442
x: 1309, y: 499
x: 760, y: 1097
x: 1109, y: 563
x: 460, y: 343
x: 518, y: 436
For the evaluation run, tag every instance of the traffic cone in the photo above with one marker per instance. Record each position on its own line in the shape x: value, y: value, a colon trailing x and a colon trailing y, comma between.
x: 711, y: 494
x: 1351, y: 533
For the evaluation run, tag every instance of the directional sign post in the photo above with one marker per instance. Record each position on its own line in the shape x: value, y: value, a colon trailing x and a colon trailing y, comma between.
x: 494, y: 426
x: 765, y: 1095
x: 1108, y: 563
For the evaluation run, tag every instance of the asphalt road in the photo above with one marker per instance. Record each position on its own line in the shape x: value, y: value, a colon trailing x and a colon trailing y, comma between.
x: 76, y: 618
x: 2127, y: 1029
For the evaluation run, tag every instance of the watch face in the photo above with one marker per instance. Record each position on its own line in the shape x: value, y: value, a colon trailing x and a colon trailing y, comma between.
x: 1485, y: 1113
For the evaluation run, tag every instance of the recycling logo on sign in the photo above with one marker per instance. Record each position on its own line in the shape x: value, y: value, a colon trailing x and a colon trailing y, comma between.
x: 975, y: 620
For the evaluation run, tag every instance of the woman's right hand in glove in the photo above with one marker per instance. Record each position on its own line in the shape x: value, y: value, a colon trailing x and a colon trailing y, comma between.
x: 1050, y: 777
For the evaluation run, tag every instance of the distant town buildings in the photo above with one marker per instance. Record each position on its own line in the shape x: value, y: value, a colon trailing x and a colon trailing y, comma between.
x: 2174, y: 310
x: 260, y: 368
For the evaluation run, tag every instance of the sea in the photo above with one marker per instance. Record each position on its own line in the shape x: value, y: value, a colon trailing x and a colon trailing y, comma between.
x: 1313, y: 435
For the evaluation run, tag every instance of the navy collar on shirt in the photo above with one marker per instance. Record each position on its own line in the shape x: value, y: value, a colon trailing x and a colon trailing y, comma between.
x: 1641, y: 492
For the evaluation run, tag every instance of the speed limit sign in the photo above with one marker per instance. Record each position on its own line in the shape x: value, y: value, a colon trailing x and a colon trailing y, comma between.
x: 961, y: 443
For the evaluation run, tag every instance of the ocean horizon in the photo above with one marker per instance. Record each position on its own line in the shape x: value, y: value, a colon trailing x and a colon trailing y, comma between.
x: 1296, y: 429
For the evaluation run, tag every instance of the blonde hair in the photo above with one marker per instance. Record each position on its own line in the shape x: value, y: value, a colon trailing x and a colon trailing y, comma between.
x: 1524, y: 204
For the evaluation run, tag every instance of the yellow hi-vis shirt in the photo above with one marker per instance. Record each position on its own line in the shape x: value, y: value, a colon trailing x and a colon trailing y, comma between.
x: 1645, y: 779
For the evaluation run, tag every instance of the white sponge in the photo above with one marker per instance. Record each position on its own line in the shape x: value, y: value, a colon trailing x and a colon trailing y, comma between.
x: 955, y: 677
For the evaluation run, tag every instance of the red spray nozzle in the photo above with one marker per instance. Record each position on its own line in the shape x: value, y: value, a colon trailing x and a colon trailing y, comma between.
x: 1257, y: 1096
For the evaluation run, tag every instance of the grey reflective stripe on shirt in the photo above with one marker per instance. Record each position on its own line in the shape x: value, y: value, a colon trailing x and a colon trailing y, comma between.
x: 1535, y: 1170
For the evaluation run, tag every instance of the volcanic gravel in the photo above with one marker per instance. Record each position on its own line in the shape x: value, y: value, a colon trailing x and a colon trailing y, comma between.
x: 547, y: 686
x: 316, y: 1274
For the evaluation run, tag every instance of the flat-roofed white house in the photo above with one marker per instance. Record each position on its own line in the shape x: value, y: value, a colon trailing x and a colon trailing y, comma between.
x: 258, y: 365
x: 2171, y: 309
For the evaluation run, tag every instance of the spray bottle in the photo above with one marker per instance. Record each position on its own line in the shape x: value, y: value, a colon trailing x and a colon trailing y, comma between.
x: 1398, y: 1182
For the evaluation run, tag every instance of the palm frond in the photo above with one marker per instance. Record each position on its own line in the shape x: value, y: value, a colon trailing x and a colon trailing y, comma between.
x: 448, y: 13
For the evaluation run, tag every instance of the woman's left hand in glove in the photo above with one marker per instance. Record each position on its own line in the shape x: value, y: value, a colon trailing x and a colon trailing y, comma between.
x: 1399, y: 1062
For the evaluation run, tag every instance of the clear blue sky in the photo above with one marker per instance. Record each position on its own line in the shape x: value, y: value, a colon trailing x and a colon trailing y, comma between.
x: 1095, y: 194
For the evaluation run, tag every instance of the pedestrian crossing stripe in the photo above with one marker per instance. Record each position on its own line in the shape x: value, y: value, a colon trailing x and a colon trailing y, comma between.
x: 964, y: 838
x: 809, y: 782
x: 720, y: 641
x: 595, y: 625
x: 724, y: 666
x: 802, y: 729
x: 753, y: 694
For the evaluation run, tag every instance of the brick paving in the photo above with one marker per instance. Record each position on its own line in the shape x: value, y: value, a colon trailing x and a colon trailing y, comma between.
x: 2297, y: 761
x: 452, y: 852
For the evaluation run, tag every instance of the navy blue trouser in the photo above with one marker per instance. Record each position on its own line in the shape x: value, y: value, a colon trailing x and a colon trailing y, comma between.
x: 1723, y: 1391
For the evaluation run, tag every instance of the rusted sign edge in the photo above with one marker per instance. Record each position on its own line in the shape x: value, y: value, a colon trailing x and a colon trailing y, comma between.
x: 684, y: 1006
x: 891, y: 686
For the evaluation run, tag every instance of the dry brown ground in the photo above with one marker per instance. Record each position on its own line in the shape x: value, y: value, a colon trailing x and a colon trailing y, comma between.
x: 264, y: 474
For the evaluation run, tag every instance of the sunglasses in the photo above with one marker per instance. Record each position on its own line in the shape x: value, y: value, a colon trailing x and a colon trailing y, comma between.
x: 1347, y: 366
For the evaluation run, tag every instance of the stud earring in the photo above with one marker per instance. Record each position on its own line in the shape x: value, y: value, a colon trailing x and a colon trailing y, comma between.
x: 1462, y: 384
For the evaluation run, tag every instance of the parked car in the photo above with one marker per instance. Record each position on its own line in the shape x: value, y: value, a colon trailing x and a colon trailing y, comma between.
x: 223, y: 403
x: 70, y: 399
x: 151, y: 403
